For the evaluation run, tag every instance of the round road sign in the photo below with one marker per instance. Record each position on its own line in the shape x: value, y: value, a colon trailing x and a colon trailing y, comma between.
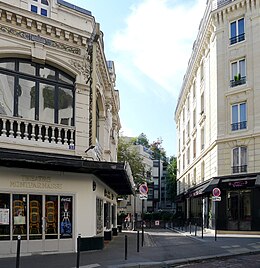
x: 143, y: 189
x: 216, y: 192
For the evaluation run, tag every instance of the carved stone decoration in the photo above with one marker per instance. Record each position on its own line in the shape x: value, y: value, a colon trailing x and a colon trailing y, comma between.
x: 83, y: 67
x: 39, y: 39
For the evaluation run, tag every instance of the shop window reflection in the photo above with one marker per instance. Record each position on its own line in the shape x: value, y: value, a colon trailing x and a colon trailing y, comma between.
x: 19, y: 216
x: 4, y: 216
x: 35, y: 211
x: 51, y: 217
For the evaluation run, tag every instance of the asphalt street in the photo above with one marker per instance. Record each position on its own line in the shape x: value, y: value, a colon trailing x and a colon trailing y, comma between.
x: 162, y: 248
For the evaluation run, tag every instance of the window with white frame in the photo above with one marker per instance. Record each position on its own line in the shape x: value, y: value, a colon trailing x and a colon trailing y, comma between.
x: 237, y: 31
x: 239, y: 116
x: 194, y: 117
x: 238, y: 73
x: 189, y: 180
x: 202, y: 171
x: 239, y: 159
x: 41, y: 7
x: 194, y: 148
x: 194, y: 176
x: 202, y: 138
x: 188, y: 129
x: 188, y: 103
x: 183, y: 137
x: 202, y: 103
x: 188, y: 156
x: 183, y: 161
x: 202, y: 71
x: 194, y: 90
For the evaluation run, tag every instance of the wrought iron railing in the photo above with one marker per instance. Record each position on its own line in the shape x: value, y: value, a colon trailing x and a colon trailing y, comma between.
x: 239, y: 125
x: 239, y: 169
x: 237, y: 38
x: 241, y: 81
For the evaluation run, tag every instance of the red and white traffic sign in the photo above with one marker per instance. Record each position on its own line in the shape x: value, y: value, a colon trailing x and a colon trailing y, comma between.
x: 143, y: 189
x: 216, y: 192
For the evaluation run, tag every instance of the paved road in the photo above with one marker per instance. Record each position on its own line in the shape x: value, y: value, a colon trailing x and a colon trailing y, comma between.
x: 248, y: 261
x: 163, y: 248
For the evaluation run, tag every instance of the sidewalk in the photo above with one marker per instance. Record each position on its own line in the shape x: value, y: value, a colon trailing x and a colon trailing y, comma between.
x: 162, y: 248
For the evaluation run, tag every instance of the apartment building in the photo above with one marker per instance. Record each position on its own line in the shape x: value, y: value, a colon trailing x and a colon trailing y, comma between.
x: 59, y: 127
x: 218, y: 122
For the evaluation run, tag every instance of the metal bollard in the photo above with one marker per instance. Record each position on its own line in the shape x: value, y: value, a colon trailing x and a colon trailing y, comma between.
x: 142, y: 234
x: 125, y: 247
x: 190, y: 227
x: 202, y: 227
x: 78, y: 250
x: 195, y: 229
x: 18, y: 251
x: 137, y: 241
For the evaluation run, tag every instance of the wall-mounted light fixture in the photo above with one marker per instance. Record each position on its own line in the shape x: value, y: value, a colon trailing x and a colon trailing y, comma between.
x: 90, y: 148
x: 94, y: 186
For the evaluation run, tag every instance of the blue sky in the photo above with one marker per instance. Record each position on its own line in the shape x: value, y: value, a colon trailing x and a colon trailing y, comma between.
x: 150, y: 42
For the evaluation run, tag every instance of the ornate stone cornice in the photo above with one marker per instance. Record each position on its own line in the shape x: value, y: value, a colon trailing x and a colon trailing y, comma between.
x: 39, y: 39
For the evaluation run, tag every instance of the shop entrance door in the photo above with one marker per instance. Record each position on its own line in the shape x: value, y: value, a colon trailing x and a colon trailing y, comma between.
x: 239, y: 210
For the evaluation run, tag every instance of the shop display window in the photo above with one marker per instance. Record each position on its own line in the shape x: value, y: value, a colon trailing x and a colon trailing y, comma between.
x: 4, y: 216
x: 51, y: 217
x: 35, y: 217
x: 66, y: 217
x: 99, y: 213
x: 19, y: 215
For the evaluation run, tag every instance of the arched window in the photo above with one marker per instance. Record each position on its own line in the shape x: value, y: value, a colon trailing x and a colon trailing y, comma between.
x: 41, y: 7
x: 36, y: 92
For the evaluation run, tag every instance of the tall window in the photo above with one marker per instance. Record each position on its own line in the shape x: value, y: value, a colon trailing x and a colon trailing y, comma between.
x: 239, y: 159
x: 239, y: 117
x: 194, y: 117
x: 237, y: 31
x: 238, y: 73
x: 202, y: 103
x: 202, y: 138
x: 40, y: 7
x: 36, y: 92
x: 188, y: 156
x: 188, y: 129
x: 202, y: 171
x: 194, y: 148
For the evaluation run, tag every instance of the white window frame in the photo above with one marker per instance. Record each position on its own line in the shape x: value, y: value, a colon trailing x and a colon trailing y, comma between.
x: 39, y: 6
x: 238, y: 37
x: 237, y: 74
x: 241, y: 123
x: 239, y: 159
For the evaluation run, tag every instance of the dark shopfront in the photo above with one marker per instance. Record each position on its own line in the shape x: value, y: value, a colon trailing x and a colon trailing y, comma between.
x: 239, y: 208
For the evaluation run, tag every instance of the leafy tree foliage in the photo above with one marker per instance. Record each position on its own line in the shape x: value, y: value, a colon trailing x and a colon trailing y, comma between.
x: 128, y: 153
x: 171, y: 178
x: 158, y: 150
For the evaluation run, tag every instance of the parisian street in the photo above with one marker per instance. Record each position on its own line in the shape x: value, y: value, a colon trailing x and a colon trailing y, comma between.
x: 162, y: 248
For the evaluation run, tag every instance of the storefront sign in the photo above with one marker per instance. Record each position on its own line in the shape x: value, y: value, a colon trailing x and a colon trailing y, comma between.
x: 37, y: 182
x: 4, y: 216
x: 240, y: 184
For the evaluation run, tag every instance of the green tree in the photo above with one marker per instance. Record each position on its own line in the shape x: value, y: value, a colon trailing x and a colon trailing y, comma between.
x: 128, y: 153
x: 171, y: 178
x: 158, y: 151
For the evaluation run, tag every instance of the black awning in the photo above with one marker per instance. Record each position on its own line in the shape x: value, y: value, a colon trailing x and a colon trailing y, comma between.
x: 211, y: 185
x: 198, y: 190
x: 117, y: 176
x: 236, y: 183
x: 180, y: 198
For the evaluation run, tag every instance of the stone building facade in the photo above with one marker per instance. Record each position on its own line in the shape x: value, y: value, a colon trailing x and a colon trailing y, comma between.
x: 217, y: 119
x: 59, y: 127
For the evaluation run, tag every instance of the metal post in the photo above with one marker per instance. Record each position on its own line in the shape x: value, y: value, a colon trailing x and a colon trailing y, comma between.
x: 18, y: 251
x: 142, y: 233
x: 216, y: 219
x: 202, y: 227
x: 190, y: 227
x: 138, y: 241
x: 195, y: 229
x: 125, y: 247
x: 78, y: 250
